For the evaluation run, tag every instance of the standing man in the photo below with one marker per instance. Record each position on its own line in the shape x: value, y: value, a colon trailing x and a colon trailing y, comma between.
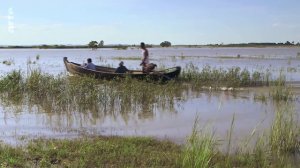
x: 145, y: 60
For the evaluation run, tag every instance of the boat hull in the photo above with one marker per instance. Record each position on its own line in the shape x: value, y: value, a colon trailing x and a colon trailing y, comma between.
x: 102, y: 72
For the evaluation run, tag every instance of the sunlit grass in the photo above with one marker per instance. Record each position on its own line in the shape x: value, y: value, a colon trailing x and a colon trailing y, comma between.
x: 92, y: 152
x: 58, y: 93
x: 200, y: 148
x: 216, y: 77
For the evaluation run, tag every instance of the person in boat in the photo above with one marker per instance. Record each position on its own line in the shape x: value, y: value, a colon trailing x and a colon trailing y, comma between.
x: 89, y: 64
x: 147, y: 66
x: 121, y: 68
x: 145, y: 59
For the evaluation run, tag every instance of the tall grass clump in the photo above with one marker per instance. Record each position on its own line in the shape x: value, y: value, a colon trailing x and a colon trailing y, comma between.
x: 12, y: 85
x: 285, y: 132
x: 62, y: 93
x: 12, y: 82
x: 219, y: 77
x: 45, y: 89
x: 199, y: 150
x: 279, y: 90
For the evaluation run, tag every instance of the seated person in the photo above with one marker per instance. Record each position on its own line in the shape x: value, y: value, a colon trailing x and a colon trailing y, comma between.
x: 89, y: 64
x: 121, y: 68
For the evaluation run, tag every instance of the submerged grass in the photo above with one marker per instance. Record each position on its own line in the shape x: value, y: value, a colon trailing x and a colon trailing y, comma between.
x: 232, y: 77
x: 119, y: 96
x: 66, y: 94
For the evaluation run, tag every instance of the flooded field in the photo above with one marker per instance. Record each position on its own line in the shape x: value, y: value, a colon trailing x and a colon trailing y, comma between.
x: 168, y: 115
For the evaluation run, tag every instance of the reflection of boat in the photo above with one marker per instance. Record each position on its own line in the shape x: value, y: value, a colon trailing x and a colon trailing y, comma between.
x: 102, y: 72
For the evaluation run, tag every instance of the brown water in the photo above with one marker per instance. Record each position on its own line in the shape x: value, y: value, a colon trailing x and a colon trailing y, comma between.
x: 214, y: 108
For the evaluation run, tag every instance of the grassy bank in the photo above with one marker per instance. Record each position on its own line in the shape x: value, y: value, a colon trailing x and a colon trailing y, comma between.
x: 92, y: 152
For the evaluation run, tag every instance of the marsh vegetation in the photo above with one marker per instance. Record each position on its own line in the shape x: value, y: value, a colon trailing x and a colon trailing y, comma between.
x: 65, y: 100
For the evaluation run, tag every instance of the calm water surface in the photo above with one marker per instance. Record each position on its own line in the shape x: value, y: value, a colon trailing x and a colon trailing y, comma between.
x: 214, y: 108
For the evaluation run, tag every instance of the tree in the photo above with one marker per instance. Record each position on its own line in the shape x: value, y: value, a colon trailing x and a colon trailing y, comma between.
x: 165, y: 44
x: 288, y: 43
x: 93, y: 44
x: 101, y: 43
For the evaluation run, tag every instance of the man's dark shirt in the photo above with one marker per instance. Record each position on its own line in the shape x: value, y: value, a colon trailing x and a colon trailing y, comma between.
x: 121, y: 69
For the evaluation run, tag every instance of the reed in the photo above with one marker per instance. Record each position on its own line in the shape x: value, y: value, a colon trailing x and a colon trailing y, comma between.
x: 218, y: 77
x: 119, y: 96
x: 285, y: 134
x: 275, y: 147
x: 281, y: 92
x: 200, y: 149
x: 66, y: 94
x: 12, y: 86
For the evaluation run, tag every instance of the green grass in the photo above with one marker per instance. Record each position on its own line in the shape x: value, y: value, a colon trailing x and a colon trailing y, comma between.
x: 66, y: 94
x: 93, y: 152
x: 284, y: 136
x: 120, y: 96
x: 218, y: 77
x: 200, y: 148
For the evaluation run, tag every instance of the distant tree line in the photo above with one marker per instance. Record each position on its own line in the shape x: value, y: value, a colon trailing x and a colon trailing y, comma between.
x: 94, y: 45
x: 287, y: 43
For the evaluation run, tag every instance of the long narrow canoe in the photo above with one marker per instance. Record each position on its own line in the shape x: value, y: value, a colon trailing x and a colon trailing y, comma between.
x: 102, y: 72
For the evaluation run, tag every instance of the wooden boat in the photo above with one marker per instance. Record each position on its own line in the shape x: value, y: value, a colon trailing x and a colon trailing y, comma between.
x: 102, y: 72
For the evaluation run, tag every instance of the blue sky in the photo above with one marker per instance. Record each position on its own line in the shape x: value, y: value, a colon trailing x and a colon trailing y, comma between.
x: 30, y: 22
